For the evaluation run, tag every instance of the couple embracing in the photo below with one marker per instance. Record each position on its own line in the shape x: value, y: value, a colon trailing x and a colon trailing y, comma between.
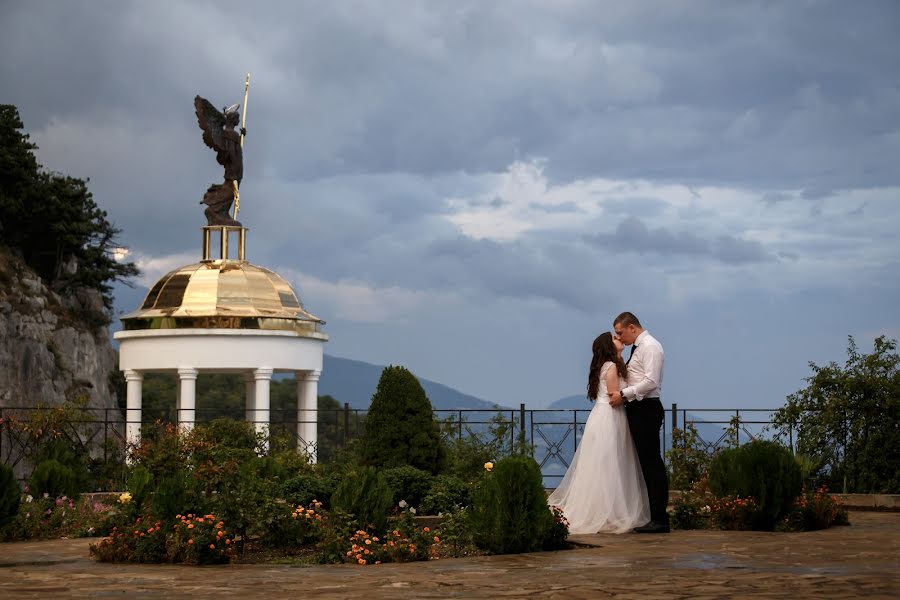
x: 617, y: 481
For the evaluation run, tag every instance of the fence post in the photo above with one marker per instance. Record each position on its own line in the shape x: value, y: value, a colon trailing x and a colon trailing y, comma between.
x: 737, y: 427
x: 346, y: 421
x: 522, y: 424
x: 674, y: 420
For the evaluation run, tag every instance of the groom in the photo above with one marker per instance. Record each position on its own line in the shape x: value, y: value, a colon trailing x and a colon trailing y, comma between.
x: 645, y: 413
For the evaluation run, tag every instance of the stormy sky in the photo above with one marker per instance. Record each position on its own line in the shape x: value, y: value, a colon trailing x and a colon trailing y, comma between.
x: 475, y: 189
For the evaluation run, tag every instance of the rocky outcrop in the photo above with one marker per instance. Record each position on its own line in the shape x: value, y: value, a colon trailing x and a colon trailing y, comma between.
x: 53, y: 347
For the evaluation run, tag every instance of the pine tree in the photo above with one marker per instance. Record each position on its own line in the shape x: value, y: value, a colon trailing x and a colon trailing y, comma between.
x: 400, y: 426
x: 52, y: 220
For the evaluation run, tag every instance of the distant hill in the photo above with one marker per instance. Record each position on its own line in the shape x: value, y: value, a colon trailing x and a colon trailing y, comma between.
x: 354, y: 382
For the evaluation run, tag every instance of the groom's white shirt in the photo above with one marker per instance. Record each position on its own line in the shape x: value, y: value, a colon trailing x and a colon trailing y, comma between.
x: 645, y: 369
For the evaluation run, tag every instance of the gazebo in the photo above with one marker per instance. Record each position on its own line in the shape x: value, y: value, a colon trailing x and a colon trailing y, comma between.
x: 224, y: 315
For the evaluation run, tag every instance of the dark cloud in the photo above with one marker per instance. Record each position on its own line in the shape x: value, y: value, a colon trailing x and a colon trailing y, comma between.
x: 633, y: 235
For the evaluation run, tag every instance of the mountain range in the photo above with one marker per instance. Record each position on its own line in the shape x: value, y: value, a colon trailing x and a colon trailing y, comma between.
x: 354, y: 382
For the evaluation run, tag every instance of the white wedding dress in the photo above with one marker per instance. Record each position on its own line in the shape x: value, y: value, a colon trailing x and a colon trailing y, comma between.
x: 603, y: 490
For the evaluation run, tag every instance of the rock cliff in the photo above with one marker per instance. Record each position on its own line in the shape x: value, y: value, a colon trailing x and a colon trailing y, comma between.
x: 53, y: 347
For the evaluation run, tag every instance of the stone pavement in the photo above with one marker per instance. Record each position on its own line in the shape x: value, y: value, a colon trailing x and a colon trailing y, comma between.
x: 862, y: 560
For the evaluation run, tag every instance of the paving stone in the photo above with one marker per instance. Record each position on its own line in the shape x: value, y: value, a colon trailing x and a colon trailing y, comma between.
x: 862, y: 560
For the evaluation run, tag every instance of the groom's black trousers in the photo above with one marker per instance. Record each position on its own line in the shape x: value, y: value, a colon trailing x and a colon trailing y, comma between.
x: 645, y: 418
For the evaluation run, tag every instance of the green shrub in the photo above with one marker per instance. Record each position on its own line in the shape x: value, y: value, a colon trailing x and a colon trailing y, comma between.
x: 364, y: 494
x: 75, y: 458
x: 10, y: 495
x: 317, y: 485
x: 139, y: 486
x: 408, y: 483
x: 293, y: 527
x: 510, y: 512
x: 400, y: 427
x: 446, y: 493
x: 173, y: 495
x: 688, y: 460
x: 764, y: 471
x: 54, y: 479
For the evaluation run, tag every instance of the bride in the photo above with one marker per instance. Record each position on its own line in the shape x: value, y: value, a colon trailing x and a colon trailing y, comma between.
x: 603, y: 489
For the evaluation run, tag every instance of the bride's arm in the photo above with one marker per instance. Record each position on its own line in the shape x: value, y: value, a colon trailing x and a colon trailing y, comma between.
x: 612, y: 386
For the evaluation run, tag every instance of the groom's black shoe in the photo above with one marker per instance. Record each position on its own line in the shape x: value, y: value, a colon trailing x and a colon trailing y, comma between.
x: 652, y: 527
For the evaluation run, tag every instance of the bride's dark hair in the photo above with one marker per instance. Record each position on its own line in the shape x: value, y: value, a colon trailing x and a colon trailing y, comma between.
x: 604, y: 351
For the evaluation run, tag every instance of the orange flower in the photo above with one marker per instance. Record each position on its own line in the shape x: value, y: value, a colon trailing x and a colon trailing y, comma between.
x: 212, y: 546
x: 191, y: 526
x: 190, y: 542
x: 227, y: 542
x: 437, y: 539
x: 426, y: 530
x: 368, y: 542
x: 361, y: 561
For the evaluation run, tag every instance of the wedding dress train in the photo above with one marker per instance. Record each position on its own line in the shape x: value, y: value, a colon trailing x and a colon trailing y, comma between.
x: 603, y: 490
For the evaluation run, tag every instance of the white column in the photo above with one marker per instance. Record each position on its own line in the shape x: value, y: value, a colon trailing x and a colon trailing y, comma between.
x: 249, y: 397
x: 134, y: 382
x: 307, y: 413
x: 263, y: 377
x: 187, y: 386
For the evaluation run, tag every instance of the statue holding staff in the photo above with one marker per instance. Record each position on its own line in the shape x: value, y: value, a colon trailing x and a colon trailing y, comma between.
x: 220, y: 135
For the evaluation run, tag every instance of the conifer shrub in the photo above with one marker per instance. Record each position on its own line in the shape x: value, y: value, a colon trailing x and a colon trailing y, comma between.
x: 510, y: 512
x: 408, y: 483
x: 10, y: 495
x: 400, y: 427
x: 365, y: 494
x: 764, y: 471
x: 53, y: 478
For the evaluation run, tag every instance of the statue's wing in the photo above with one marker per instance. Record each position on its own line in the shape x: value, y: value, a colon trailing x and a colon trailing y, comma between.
x: 211, y: 121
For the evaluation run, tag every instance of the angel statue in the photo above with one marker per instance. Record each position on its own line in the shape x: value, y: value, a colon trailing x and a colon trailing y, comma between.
x: 219, y: 134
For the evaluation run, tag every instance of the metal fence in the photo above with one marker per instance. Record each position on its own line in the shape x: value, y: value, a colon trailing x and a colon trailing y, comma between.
x: 552, y: 436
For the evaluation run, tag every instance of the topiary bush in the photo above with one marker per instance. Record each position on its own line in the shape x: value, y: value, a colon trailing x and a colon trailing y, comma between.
x: 400, y: 427
x: 408, y: 483
x: 10, y: 495
x: 763, y: 470
x: 54, y: 479
x: 510, y: 512
x: 365, y: 494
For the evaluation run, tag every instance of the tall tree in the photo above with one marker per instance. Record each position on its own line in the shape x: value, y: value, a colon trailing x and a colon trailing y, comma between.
x: 848, y: 419
x: 53, y: 221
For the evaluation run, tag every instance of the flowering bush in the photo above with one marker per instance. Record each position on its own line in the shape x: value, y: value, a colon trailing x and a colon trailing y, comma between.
x: 733, y: 512
x: 199, y: 540
x: 556, y: 535
x: 815, y: 510
x: 46, y: 517
x: 690, y: 511
x: 143, y: 542
x: 292, y: 527
x: 407, y: 542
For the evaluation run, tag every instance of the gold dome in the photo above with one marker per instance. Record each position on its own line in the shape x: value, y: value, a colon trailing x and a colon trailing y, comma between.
x: 230, y: 294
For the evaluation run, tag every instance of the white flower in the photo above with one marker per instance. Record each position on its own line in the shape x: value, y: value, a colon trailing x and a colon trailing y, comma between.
x: 46, y: 495
x: 403, y: 504
x: 705, y: 509
x: 29, y: 498
x: 412, y: 510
